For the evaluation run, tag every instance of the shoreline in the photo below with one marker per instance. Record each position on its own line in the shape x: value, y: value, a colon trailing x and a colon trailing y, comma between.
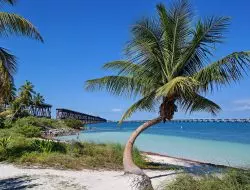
x: 185, y: 160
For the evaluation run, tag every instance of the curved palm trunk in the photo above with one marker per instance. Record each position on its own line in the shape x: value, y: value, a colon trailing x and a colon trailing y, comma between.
x: 128, y: 164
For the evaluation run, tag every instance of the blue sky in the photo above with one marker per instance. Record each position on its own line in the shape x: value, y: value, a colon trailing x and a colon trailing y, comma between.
x: 81, y: 35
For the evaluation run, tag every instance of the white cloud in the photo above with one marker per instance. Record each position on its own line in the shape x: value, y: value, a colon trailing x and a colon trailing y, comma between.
x: 242, y: 105
x: 116, y: 110
x: 240, y: 102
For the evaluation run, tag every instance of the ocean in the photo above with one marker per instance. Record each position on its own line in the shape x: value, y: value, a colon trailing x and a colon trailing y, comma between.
x: 225, y: 143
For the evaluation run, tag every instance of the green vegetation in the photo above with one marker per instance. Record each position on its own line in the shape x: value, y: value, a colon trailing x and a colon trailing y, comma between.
x: 39, y: 123
x: 19, y: 144
x: 18, y: 105
x: 72, y: 123
x: 42, y: 123
x: 78, y: 156
x: 233, y: 180
x: 75, y: 155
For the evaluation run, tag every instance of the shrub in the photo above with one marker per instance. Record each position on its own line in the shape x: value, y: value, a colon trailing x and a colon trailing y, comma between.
x: 17, y: 147
x: 47, y: 146
x: 73, y: 123
x: 28, y: 131
x: 4, y: 143
x: 40, y: 122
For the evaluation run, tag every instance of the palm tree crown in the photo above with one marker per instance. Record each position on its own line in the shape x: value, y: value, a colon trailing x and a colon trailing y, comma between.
x: 26, y: 93
x: 12, y: 24
x: 38, y: 99
x: 168, y: 63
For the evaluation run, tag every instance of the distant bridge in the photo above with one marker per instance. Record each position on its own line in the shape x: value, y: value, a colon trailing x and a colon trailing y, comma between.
x: 85, y: 118
x: 212, y: 120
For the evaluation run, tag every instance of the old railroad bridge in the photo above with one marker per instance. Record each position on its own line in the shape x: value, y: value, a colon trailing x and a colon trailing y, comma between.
x: 44, y: 111
x: 85, y: 118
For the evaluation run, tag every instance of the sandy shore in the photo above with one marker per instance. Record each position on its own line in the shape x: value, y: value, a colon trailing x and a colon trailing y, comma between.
x: 13, y: 177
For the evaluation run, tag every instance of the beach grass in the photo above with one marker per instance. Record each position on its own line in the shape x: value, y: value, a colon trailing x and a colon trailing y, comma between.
x: 231, y: 180
x: 75, y: 155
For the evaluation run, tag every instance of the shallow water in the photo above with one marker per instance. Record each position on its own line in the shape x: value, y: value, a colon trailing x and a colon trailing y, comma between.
x: 218, y: 143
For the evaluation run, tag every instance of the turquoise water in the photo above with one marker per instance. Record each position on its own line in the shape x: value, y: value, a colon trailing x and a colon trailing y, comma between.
x: 218, y: 143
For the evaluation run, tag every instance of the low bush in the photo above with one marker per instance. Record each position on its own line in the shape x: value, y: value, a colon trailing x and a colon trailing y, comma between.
x: 28, y: 130
x: 4, y: 143
x: 16, y: 148
x: 40, y: 122
x: 47, y: 146
x: 73, y: 123
x: 233, y: 180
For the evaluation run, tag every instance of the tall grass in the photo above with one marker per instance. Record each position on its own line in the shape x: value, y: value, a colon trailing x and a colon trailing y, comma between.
x: 232, y: 180
x: 74, y: 155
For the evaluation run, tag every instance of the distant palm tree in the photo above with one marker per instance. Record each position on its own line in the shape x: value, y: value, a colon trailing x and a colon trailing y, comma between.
x: 167, y: 66
x: 38, y: 99
x: 26, y: 93
x: 12, y: 24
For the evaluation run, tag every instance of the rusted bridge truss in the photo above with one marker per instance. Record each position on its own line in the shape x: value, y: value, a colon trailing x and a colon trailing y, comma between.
x: 85, y: 118
x: 43, y: 110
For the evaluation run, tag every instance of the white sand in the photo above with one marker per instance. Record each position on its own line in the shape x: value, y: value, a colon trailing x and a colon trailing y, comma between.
x: 12, y: 177
x: 171, y: 160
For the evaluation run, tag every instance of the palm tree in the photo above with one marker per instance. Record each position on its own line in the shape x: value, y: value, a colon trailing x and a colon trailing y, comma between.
x: 8, y: 95
x: 38, y: 99
x: 26, y: 93
x: 168, y: 66
x: 12, y: 24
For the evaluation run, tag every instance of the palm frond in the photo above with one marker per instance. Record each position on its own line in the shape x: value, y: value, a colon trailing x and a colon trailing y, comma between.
x: 146, y: 103
x: 179, y: 87
x: 15, y: 24
x: 176, y: 26
x: 116, y: 85
x: 7, y: 92
x: 199, y: 103
x: 127, y: 68
x: 8, y: 62
x: 145, y: 48
x: 206, y: 35
x: 7, y: 70
x: 11, y: 2
x: 230, y: 68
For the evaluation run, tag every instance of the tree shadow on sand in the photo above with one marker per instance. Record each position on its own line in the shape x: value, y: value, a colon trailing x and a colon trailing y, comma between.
x: 16, y: 183
x: 194, y: 169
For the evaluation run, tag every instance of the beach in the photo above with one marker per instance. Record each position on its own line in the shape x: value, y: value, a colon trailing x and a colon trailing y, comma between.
x: 12, y: 177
